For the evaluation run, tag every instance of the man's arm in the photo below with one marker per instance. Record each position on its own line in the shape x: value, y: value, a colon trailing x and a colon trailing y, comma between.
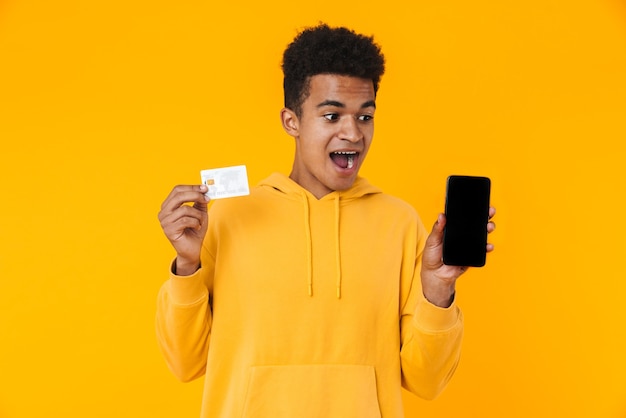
x: 183, y: 320
x: 431, y: 323
x: 430, y: 335
x: 183, y: 324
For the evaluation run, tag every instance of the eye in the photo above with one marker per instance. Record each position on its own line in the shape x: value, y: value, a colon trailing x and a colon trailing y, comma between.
x: 366, y: 118
x: 331, y: 117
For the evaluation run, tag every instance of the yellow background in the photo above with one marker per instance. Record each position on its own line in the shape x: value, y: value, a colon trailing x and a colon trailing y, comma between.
x: 105, y: 105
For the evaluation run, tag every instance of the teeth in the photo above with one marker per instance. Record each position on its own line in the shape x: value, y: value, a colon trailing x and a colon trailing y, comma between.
x: 350, y: 156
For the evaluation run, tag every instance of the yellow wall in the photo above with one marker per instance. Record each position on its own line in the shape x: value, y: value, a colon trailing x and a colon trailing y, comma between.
x: 105, y: 105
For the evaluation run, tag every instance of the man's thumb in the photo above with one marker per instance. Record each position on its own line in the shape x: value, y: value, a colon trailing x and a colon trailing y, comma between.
x: 436, y: 235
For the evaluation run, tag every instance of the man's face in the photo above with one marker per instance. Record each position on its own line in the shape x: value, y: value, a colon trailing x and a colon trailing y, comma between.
x: 333, y: 133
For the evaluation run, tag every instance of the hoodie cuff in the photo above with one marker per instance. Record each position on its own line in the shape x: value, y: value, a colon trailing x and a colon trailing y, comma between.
x: 187, y: 290
x: 432, y: 318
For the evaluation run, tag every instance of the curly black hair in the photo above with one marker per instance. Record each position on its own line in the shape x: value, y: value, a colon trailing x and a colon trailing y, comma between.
x: 325, y: 50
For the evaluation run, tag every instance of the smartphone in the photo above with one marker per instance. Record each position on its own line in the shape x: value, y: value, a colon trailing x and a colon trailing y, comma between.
x: 467, y: 215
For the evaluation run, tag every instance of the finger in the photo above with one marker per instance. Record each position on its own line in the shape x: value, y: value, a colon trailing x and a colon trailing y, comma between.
x: 202, y: 206
x: 492, y: 212
x: 177, y: 228
x: 185, y: 211
x: 432, y: 255
x: 436, y: 235
x: 490, y: 247
x: 184, y: 194
x: 440, y: 224
x: 183, y: 217
x: 179, y: 193
x: 491, y: 226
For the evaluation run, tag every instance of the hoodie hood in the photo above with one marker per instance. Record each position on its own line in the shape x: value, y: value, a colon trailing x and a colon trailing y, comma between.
x: 286, y: 185
x: 293, y: 190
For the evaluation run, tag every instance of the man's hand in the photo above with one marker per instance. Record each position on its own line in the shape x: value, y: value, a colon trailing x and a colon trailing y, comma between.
x: 185, y: 225
x: 438, y: 279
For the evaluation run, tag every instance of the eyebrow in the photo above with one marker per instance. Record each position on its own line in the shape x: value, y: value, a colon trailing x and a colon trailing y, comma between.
x: 369, y: 103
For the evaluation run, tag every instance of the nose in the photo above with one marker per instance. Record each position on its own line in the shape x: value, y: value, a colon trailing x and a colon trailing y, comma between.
x: 350, y: 130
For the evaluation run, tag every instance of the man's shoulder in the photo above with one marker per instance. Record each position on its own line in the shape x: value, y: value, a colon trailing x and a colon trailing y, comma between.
x: 256, y: 203
x: 392, y: 203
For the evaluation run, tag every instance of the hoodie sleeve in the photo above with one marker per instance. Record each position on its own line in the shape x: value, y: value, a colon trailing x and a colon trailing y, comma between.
x: 183, y: 323
x: 430, y: 335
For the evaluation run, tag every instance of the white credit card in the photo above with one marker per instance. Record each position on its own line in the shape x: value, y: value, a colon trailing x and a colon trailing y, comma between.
x: 226, y: 182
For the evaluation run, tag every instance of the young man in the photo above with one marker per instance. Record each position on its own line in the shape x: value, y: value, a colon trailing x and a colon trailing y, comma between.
x: 317, y: 295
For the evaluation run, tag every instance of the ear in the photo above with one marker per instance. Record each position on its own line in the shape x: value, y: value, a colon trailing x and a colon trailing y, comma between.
x: 290, y: 122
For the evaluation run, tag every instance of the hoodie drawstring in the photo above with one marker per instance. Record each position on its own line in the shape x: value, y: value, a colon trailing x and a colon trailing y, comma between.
x: 309, y: 245
x: 338, y: 247
x: 309, y: 249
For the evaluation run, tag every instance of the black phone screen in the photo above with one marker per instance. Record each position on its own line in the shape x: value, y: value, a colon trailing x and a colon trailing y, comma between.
x: 467, y: 214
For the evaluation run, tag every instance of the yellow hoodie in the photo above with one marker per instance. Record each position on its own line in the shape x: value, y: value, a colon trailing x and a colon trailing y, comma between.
x: 307, y: 308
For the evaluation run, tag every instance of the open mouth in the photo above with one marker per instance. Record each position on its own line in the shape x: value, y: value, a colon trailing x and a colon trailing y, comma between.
x: 344, y: 159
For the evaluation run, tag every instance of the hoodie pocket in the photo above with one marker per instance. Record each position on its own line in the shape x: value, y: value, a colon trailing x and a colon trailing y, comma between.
x: 312, y: 391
